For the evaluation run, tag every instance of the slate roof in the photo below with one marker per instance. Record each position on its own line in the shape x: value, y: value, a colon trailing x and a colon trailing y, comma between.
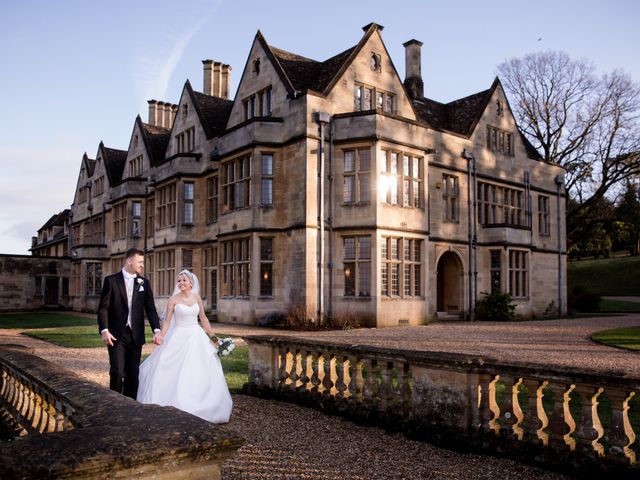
x: 459, y: 116
x: 114, y: 162
x: 307, y: 74
x: 57, y: 219
x: 156, y: 140
x: 213, y: 112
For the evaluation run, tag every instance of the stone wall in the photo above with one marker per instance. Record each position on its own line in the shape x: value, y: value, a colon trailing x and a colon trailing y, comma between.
x: 30, y: 283
x: 576, y: 420
x: 76, y: 429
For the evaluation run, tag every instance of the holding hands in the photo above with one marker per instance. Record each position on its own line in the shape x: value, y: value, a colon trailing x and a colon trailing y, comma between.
x: 158, y: 338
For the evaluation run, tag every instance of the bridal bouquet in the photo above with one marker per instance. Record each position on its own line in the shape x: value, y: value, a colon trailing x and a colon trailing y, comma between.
x: 224, y: 345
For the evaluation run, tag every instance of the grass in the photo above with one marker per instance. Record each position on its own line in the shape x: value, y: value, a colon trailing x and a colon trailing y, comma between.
x: 74, y: 337
x: 43, y: 320
x: 607, y: 276
x: 628, y: 337
x: 235, y: 366
x: 619, y: 306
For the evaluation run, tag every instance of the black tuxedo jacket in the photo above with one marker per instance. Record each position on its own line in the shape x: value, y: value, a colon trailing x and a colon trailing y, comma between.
x: 113, y: 309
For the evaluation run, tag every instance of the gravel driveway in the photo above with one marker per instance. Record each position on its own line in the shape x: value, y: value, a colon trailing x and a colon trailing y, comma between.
x: 285, y: 441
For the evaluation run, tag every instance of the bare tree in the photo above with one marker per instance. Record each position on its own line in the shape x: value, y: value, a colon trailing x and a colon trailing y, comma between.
x: 585, y: 122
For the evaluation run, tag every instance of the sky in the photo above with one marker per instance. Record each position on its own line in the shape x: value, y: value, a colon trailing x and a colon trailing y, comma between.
x: 77, y: 72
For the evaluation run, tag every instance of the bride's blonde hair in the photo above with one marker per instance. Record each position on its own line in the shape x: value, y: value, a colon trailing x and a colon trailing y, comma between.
x: 193, y: 280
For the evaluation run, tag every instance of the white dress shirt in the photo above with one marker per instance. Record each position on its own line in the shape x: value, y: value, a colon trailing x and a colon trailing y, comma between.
x: 128, y: 283
x: 129, y: 280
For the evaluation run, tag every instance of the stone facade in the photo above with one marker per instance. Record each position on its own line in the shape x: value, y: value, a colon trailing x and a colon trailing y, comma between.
x: 232, y: 190
x: 53, y: 237
x: 32, y: 283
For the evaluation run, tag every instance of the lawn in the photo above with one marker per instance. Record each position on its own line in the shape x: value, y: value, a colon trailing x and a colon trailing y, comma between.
x: 619, y: 306
x: 628, y: 337
x: 43, y: 320
x: 75, y: 337
x: 607, y: 276
x: 235, y: 366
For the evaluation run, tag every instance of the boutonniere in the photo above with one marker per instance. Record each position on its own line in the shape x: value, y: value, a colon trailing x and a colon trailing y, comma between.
x: 140, y: 281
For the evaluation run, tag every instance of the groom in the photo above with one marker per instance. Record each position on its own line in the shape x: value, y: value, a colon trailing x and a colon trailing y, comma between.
x: 124, y: 299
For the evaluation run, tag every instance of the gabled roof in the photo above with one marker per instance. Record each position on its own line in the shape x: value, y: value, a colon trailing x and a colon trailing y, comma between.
x: 302, y: 74
x: 460, y: 116
x: 57, y: 219
x: 307, y: 74
x: 114, y: 162
x: 156, y: 140
x: 213, y: 112
x: 89, y: 164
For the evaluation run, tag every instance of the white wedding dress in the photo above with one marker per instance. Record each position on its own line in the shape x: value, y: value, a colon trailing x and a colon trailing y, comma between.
x: 185, y: 371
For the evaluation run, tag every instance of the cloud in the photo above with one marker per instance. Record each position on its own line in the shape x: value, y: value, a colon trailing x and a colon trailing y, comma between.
x: 152, y: 74
x: 35, y: 184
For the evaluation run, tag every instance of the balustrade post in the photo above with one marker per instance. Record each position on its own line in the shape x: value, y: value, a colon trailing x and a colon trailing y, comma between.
x: 315, y: 373
x: 341, y: 386
x: 535, y: 420
x: 304, y: 372
x: 293, y: 368
x: 617, y: 435
x: 327, y: 364
x: 507, y: 414
x: 386, y: 389
x: 370, y: 390
x: 558, y: 423
x: 282, y: 367
x: 404, y: 388
x: 589, y: 428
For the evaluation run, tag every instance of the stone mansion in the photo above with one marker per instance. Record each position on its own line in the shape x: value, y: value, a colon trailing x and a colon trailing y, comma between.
x: 331, y: 185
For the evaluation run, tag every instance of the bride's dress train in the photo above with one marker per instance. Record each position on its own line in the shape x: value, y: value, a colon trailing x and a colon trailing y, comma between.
x: 185, y: 371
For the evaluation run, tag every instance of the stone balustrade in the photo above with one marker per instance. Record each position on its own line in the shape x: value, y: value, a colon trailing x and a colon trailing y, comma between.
x: 69, y: 427
x: 577, y: 420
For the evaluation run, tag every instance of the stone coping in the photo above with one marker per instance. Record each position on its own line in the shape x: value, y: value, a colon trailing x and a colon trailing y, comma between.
x: 457, y: 361
x: 112, y: 435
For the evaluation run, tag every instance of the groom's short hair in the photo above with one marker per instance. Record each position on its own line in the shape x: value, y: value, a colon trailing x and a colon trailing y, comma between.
x: 133, y: 252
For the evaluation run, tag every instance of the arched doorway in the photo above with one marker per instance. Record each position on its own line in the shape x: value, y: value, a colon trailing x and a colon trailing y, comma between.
x: 449, y: 284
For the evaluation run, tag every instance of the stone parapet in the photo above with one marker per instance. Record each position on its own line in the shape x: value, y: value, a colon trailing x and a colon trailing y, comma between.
x: 72, y: 428
x: 575, y: 420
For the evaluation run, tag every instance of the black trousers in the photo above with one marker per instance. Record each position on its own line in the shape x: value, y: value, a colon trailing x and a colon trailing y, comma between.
x: 124, y: 362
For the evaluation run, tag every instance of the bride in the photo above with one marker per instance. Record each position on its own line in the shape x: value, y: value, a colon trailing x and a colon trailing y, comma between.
x: 184, y: 371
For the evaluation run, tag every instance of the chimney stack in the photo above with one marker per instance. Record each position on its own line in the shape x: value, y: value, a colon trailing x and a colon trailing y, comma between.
x: 216, y: 79
x: 225, y: 72
x: 160, y: 114
x: 153, y: 112
x: 172, y: 116
x: 413, y: 76
x: 167, y: 115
